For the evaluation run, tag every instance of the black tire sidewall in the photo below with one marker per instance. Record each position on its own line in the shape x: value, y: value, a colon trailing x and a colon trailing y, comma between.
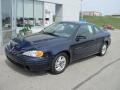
x: 53, y: 70
x: 101, y: 54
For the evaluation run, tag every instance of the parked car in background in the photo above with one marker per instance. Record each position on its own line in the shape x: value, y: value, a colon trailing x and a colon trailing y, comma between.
x: 108, y: 26
x: 58, y: 45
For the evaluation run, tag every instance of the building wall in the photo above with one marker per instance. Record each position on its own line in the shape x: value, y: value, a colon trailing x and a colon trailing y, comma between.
x: 71, y: 9
x: 58, y: 12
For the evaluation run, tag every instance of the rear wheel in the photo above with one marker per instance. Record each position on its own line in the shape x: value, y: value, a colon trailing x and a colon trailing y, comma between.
x: 103, y: 49
x: 59, y: 63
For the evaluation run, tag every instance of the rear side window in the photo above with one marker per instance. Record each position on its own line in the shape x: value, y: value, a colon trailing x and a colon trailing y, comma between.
x: 97, y: 29
x: 86, y: 30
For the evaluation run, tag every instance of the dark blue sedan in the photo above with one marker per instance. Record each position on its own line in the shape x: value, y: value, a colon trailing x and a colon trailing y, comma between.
x: 58, y: 45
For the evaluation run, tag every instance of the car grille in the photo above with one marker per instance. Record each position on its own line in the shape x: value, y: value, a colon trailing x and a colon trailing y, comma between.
x: 14, y: 47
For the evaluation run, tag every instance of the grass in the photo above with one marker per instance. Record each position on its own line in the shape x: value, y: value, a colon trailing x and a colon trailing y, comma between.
x: 102, y: 20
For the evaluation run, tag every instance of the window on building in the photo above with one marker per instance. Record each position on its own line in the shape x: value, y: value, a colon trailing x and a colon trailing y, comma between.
x: 28, y: 12
x: 6, y: 14
x: 38, y: 13
x: 6, y: 8
x: 20, y: 15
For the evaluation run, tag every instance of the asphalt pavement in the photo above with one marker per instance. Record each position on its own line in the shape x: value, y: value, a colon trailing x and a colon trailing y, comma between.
x: 93, y: 73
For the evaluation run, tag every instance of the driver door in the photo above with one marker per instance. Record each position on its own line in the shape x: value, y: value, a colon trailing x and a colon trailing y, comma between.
x: 86, y: 46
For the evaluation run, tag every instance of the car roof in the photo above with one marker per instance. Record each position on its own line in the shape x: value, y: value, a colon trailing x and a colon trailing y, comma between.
x: 72, y: 22
x: 75, y: 22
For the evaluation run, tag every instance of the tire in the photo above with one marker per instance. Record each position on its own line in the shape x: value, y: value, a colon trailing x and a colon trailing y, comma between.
x: 59, y: 63
x: 103, y: 49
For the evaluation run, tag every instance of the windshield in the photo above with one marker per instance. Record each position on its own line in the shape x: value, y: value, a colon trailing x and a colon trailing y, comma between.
x: 61, y: 29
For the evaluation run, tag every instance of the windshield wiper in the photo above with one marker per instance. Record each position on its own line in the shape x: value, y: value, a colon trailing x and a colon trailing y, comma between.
x: 50, y: 33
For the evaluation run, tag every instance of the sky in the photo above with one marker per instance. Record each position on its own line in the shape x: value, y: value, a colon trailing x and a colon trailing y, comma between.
x: 107, y: 7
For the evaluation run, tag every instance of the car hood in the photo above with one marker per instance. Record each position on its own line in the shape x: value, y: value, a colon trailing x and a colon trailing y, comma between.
x: 37, y: 38
x: 37, y: 41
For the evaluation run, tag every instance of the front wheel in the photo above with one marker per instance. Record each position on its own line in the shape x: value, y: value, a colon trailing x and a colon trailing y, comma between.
x: 59, y: 63
x: 103, y: 49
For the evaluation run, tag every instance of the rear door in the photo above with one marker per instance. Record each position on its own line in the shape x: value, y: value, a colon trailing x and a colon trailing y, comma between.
x: 86, y: 46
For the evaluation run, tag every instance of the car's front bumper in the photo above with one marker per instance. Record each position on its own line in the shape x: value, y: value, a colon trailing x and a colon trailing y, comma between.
x: 33, y: 64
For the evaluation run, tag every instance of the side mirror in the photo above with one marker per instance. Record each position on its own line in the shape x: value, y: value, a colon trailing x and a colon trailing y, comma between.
x: 80, y: 37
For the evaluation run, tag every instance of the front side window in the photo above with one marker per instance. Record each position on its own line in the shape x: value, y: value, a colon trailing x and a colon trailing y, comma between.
x: 86, y: 30
x: 61, y: 29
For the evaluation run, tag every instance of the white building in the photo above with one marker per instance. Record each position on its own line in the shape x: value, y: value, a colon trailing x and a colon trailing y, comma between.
x: 14, y: 14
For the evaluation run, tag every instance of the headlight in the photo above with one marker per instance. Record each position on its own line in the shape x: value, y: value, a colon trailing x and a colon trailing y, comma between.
x: 34, y: 53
